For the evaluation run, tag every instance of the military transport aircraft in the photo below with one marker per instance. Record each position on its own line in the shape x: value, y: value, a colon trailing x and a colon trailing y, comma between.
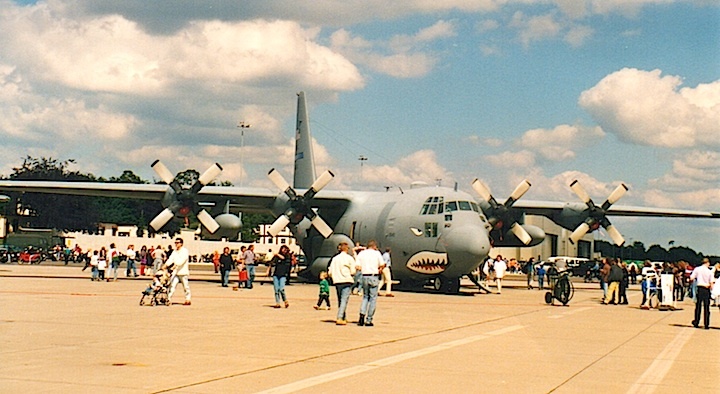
x: 436, y: 234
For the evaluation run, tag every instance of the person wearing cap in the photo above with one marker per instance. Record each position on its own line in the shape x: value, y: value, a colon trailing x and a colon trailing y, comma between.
x: 342, y: 271
x: 179, y: 261
x: 371, y: 263
x: 705, y: 278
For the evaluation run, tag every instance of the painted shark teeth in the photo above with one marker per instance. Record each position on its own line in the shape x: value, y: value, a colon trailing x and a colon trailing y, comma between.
x: 430, y: 263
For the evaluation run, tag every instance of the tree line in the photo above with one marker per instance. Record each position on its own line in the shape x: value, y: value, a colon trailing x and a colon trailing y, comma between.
x: 85, y: 213
x: 637, y: 251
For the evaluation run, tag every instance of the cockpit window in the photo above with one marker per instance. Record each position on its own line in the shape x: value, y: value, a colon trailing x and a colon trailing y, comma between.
x: 451, y: 206
x: 432, y: 206
x: 465, y: 206
x: 474, y: 206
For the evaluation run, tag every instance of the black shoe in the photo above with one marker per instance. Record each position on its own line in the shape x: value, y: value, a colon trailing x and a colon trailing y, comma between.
x: 695, y: 324
x: 369, y: 324
x: 361, y: 320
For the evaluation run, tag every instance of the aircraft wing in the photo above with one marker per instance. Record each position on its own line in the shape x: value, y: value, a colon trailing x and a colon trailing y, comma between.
x: 550, y: 208
x: 242, y: 199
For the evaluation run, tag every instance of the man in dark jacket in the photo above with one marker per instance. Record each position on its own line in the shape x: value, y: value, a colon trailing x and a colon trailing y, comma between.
x: 614, y: 277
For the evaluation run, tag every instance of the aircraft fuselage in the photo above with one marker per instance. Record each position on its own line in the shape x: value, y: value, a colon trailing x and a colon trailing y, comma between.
x: 431, y: 232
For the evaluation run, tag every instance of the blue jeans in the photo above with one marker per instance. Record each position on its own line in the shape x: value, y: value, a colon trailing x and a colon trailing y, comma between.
x: 94, y: 273
x: 225, y: 277
x: 279, y: 285
x: 370, y: 292
x: 251, y: 275
x: 357, y: 281
x: 130, y: 267
x: 343, y: 294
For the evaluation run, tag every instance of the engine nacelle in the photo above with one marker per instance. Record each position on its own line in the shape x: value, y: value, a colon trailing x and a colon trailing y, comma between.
x: 230, y: 226
x: 510, y: 240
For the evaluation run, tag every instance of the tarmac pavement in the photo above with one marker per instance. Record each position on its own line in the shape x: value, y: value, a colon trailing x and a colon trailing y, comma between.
x: 62, y: 333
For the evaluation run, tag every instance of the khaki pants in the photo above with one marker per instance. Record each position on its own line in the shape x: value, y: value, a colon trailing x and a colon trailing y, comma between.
x: 386, y: 278
x: 613, y: 294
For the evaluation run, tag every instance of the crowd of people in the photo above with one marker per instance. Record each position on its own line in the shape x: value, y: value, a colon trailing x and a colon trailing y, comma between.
x: 365, y: 270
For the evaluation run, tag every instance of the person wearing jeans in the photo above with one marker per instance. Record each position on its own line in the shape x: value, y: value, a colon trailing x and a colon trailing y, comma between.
x: 342, y: 270
x: 371, y: 263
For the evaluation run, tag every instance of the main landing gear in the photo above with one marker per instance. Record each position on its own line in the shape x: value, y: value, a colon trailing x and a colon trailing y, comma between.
x: 446, y: 285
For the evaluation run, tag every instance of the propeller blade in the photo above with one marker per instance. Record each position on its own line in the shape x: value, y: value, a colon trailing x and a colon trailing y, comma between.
x: 482, y: 190
x: 579, y: 232
x: 278, y: 225
x: 161, y: 219
x: 210, y: 174
x: 521, y: 233
x: 580, y: 191
x: 616, y: 195
x: 207, y: 220
x: 162, y: 172
x: 278, y: 180
x: 322, y: 181
x: 519, y: 191
x: 615, y: 235
x: 321, y: 226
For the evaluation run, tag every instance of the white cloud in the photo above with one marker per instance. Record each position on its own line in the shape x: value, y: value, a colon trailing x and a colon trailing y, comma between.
x: 418, y: 166
x: 561, y: 142
x: 647, y: 108
x: 535, y: 28
x: 577, y: 35
x: 515, y: 160
x: 401, y: 56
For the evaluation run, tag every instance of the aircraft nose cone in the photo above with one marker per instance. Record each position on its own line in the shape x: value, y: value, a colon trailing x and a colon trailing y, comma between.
x: 466, y: 246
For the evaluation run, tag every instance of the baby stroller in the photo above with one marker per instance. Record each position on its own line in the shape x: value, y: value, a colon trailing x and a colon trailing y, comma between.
x: 157, y: 292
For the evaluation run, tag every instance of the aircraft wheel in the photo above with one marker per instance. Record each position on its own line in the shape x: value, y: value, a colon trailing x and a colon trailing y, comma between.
x: 548, y: 298
x: 452, y: 286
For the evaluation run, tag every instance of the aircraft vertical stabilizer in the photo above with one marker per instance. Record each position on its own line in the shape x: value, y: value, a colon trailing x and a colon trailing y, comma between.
x: 304, y: 160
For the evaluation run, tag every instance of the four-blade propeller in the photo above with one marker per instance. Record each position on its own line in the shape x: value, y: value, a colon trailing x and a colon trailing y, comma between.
x: 597, y: 214
x: 499, y: 214
x: 299, y: 206
x: 181, y: 202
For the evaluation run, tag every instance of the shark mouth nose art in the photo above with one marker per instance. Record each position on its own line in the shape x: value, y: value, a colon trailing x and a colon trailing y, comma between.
x: 430, y: 263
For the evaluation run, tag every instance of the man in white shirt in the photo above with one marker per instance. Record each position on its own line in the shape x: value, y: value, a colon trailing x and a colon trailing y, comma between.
x: 130, y: 255
x: 249, y: 260
x: 371, y: 264
x: 179, y: 262
x: 705, y: 278
x: 342, y: 271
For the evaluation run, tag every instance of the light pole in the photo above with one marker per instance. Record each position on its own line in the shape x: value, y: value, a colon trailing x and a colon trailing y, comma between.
x: 242, y: 126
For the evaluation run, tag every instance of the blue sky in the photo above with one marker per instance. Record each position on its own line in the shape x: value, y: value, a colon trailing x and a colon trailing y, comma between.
x: 550, y: 90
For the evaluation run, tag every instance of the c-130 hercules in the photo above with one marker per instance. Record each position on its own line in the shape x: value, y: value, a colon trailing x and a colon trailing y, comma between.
x: 436, y: 234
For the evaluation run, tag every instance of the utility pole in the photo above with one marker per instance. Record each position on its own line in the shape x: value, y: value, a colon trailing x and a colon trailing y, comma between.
x: 362, y: 160
x: 242, y: 126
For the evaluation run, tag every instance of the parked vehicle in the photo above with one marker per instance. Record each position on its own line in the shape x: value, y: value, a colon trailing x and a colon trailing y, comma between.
x: 9, y: 254
x: 32, y: 256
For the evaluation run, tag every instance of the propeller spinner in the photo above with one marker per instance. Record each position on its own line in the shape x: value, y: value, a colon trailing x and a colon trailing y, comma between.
x: 499, y: 214
x: 299, y: 206
x: 181, y: 202
x: 597, y: 214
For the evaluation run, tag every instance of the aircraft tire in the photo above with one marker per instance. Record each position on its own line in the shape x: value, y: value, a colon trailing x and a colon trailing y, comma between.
x: 452, y: 286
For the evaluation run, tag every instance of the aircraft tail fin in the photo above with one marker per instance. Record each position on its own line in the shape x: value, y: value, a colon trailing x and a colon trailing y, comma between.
x: 304, y: 160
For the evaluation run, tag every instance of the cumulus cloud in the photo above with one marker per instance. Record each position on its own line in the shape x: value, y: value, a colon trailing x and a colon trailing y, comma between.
x: 402, y: 56
x: 535, y: 28
x: 647, y: 108
x: 515, y: 160
x: 561, y: 142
